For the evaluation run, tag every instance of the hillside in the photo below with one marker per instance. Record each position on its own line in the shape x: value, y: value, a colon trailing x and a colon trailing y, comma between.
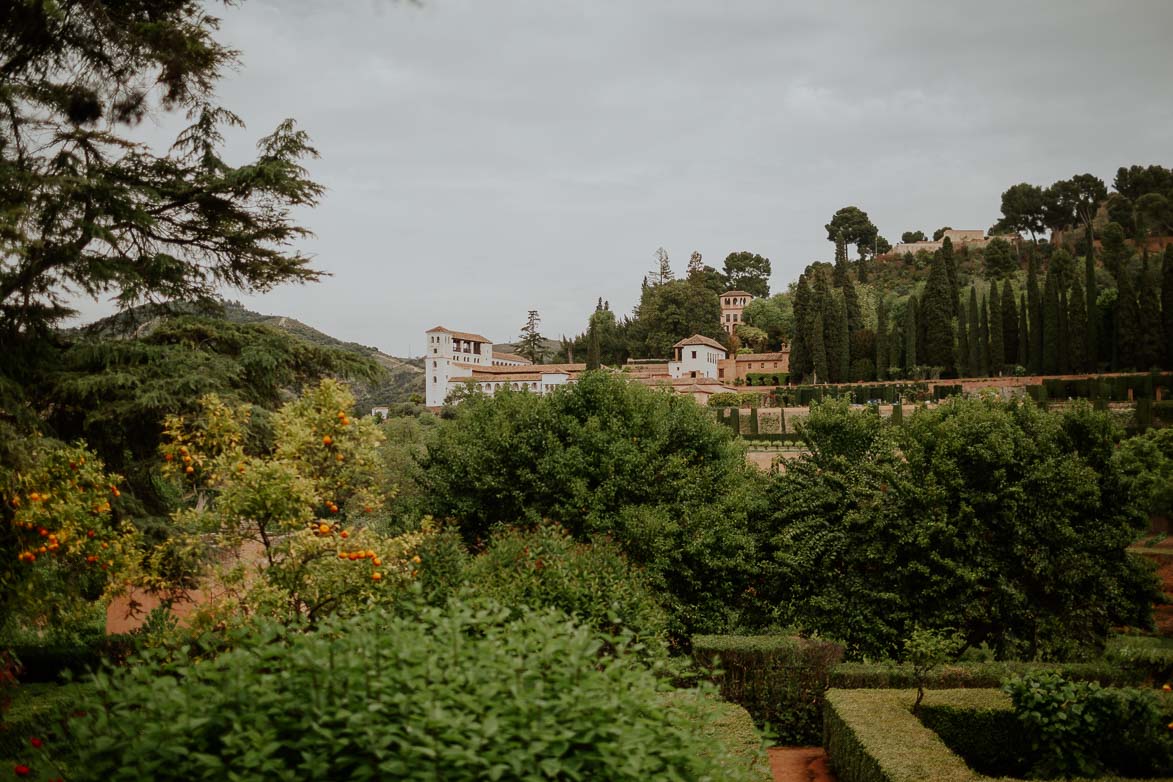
x: 401, y: 378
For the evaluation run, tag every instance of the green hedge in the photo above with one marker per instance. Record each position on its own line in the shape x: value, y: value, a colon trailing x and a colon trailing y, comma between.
x: 736, y: 399
x: 731, y: 727
x: 872, y: 735
x: 1147, y: 660
x: 765, y: 378
x: 780, y: 680
x: 39, y: 710
x: 851, y: 676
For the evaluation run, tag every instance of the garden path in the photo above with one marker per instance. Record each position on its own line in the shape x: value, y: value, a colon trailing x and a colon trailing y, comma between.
x: 800, y: 764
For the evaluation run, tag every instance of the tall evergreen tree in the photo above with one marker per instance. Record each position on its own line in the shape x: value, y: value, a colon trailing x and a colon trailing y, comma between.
x: 895, y: 346
x: 663, y: 271
x: 1150, y: 350
x: 1034, y: 299
x: 936, y: 314
x: 854, y: 312
x: 1050, y: 334
x: 1064, y: 329
x: 1024, y: 340
x: 911, y: 329
x: 836, y: 339
x: 532, y: 343
x: 964, y: 368
x: 881, y: 340
x: 951, y: 269
x: 997, y: 338
x: 801, y: 359
x: 1009, y: 326
x: 819, y: 367
x: 1091, y: 343
x: 975, y: 338
x: 1128, y: 322
x: 840, y: 274
x: 984, y: 339
x: 1077, y: 326
x: 1167, y: 304
x: 594, y: 349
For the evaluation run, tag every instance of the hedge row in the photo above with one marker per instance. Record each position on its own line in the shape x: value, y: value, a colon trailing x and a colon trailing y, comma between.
x: 1109, y: 389
x: 766, y: 378
x: 872, y: 735
x: 887, y: 393
x: 852, y: 676
x: 41, y: 711
x: 780, y: 680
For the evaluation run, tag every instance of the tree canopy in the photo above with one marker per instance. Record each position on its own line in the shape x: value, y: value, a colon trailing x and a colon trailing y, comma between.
x: 84, y: 209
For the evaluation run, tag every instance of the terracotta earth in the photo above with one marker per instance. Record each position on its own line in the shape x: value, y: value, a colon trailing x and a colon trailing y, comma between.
x: 800, y: 764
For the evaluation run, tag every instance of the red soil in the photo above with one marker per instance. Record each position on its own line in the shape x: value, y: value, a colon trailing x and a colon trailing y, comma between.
x: 800, y: 764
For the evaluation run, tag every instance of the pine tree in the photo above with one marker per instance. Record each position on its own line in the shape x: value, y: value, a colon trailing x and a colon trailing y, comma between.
x: 800, y: 345
x: 997, y: 338
x: 975, y: 338
x: 911, y: 329
x: 531, y: 342
x: 818, y: 349
x: 1077, y: 327
x: 881, y: 340
x: 1035, y: 309
x: 841, y: 276
x: 663, y: 271
x: 1050, y: 325
x: 1024, y: 340
x: 1167, y: 304
x: 1091, y: 344
x: 1009, y: 326
x: 936, y: 315
x: 964, y: 368
x: 1150, y: 350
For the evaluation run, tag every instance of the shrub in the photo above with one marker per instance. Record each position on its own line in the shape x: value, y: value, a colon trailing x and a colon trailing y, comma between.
x: 40, y: 711
x: 462, y: 692
x: 971, y: 675
x: 1080, y: 729
x: 545, y: 568
x: 780, y: 680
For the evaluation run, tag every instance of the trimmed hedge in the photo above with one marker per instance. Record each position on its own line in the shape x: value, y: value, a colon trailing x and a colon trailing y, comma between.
x: 732, y: 728
x: 852, y: 676
x: 872, y: 735
x: 39, y: 710
x: 779, y: 679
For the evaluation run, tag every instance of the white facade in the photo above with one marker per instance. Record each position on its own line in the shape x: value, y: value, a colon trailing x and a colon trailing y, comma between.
x: 696, y: 357
x: 451, y: 354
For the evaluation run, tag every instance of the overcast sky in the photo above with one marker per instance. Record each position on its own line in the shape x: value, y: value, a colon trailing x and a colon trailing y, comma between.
x: 487, y: 157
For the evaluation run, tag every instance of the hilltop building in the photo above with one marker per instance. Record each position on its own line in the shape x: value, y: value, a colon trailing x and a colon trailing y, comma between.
x: 732, y: 305
x: 737, y: 367
x: 974, y: 238
x: 696, y: 356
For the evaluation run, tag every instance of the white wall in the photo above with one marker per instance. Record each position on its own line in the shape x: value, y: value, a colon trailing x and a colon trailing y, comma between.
x: 701, y: 359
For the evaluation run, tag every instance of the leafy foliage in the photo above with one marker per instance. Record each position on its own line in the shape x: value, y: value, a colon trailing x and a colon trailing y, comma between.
x: 605, y: 457
x: 1000, y: 520
x: 461, y: 692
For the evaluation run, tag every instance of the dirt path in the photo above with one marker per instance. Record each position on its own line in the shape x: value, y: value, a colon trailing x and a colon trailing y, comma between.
x: 800, y: 764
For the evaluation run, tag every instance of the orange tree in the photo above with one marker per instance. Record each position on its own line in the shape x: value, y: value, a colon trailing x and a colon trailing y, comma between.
x: 292, y: 526
x: 63, y: 543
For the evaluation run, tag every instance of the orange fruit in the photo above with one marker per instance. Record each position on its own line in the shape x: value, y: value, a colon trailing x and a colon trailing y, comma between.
x: 168, y: 457
x: 324, y: 529
x: 339, y: 457
x: 376, y: 576
x: 327, y: 440
x: 344, y: 534
x: 342, y: 555
x: 376, y: 562
x: 189, y: 470
x: 352, y: 556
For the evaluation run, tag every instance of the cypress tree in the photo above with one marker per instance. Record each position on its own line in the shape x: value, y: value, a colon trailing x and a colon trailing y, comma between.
x: 911, y: 329
x: 1035, y: 309
x: 1023, y: 334
x: 964, y: 368
x: 1149, y: 349
x: 1009, y: 326
x: 1050, y: 324
x: 842, y: 352
x: 997, y: 339
x: 1064, y: 336
x: 975, y: 350
x: 1090, y: 347
x: 1128, y: 322
x: 818, y: 349
x: 895, y: 345
x: 984, y: 339
x: 1167, y: 304
x: 881, y: 340
x: 801, y: 362
x: 854, y: 312
x: 951, y: 270
x: 593, y: 359
x: 936, y: 315
x: 840, y: 275
x: 1077, y: 326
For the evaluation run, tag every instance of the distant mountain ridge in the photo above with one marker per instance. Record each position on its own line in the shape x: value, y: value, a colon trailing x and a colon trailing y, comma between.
x: 402, y: 378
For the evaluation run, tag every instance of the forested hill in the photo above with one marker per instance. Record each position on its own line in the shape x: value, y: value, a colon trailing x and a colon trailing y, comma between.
x: 401, y: 377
